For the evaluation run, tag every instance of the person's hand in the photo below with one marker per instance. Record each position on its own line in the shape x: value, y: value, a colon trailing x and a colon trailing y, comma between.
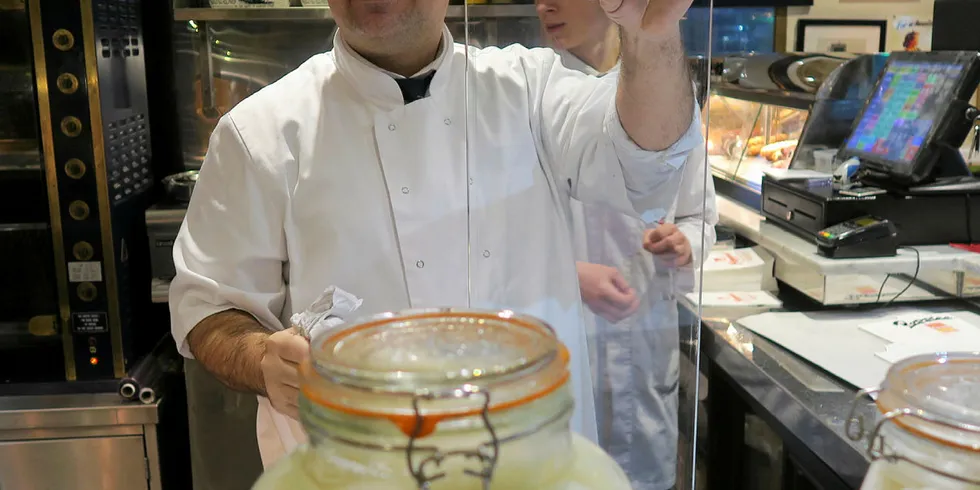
x: 284, y: 351
x: 667, y: 241
x: 606, y: 291
x: 647, y: 17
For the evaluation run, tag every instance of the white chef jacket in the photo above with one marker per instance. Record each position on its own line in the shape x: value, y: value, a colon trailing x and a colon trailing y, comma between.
x: 573, y: 62
x: 696, y: 202
x: 635, y: 362
x: 327, y: 178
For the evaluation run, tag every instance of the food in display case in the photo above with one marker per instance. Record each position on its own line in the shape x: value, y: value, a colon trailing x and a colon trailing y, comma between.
x: 746, y: 138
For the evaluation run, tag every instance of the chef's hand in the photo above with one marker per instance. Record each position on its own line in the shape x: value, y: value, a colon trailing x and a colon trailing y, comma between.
x: 284, y: 351
x: 646, y: 17
x: 667, y: 241
x: 606, y: 291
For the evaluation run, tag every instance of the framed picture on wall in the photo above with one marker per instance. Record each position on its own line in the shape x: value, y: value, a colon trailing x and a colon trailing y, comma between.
x: 840, y: 36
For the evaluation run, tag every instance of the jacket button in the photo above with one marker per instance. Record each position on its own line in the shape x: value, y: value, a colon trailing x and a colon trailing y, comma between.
x: 486, y: 253
x: 404, y: 190
x: 391, y: 127
x: 420, y: 264
x: 447, y: 121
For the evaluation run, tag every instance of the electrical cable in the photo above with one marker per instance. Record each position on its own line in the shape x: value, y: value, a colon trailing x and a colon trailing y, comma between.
x: 915, y: 275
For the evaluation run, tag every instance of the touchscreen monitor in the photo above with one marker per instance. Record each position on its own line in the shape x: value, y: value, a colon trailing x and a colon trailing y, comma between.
x: 909, y: 101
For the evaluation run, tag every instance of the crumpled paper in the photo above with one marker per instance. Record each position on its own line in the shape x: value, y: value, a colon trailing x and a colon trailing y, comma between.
x: 328, y: 311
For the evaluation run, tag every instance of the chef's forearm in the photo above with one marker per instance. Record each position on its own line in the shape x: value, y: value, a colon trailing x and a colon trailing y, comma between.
x: 654, y: 99
x: 230, y: 345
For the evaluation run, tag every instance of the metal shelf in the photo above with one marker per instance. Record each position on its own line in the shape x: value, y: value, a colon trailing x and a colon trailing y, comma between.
x: 320, y: 13
x: 794, y: 100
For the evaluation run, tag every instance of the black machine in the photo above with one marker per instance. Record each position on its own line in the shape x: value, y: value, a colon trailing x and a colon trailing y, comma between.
x: 954, y: 26
x: 907, y: 140
x: 74, y: 183
x: 908, y: 134
x: 859, y: 238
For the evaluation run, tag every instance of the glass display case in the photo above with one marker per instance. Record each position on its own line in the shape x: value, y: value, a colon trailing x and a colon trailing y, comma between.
x: 781, y: 111
x: 749, y: 137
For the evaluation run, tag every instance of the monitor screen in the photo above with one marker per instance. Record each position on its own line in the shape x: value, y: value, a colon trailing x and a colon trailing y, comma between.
x: 908, y: 102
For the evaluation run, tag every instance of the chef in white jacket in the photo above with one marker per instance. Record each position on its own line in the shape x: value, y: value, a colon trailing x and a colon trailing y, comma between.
x: 412, y: 172
x: 633, y: 342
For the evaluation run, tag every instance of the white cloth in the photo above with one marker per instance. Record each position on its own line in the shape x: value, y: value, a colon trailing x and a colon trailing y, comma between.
x: 635, y: 363
x: 327, y: 177
x: 328, y: 311
x: 277, y: 432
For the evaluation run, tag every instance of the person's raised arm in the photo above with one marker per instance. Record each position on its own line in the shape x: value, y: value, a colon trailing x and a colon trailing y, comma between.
x: 620, y: 140
x: 655, y: 99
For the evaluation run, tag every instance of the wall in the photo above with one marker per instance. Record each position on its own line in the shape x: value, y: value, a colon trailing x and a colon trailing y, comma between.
x: 870, y: 10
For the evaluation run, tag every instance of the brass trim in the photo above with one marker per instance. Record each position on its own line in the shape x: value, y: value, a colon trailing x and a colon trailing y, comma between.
x: 71, y: 126
x: 83, y: 251
x: 63, y: 39
x: 99, y: 166
x: 11, y: 4
x: 43, y: 326
x: 780, y: 30
x: 79, y: 210
x: 87, y: 292
x: 67, y: 83
x: 51, y: 179
x: 75, y: 168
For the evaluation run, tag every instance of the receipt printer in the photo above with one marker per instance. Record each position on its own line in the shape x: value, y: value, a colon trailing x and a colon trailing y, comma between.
x: 859, y: 238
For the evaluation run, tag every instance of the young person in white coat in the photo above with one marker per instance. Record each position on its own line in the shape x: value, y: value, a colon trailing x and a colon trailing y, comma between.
x: 412, y: 171
x: 633, y: 334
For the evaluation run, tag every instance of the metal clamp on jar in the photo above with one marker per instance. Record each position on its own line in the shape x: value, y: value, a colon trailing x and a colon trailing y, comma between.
x: 928, y: 435
x: 440, y: 399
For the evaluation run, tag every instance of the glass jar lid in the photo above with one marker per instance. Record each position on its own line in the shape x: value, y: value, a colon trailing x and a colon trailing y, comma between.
x: 936, y: 397
x: 435, y: 364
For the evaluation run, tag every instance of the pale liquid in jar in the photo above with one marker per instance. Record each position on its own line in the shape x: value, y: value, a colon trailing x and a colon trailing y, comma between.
x: 903, y: 476
x: 529, y: 464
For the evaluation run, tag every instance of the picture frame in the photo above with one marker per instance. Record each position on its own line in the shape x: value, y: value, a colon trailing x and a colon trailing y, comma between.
x: 841, y: 36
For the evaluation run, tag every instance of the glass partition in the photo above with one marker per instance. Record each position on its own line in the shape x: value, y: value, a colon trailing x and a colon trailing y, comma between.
x: 551, y: 198
x: 614, y: 230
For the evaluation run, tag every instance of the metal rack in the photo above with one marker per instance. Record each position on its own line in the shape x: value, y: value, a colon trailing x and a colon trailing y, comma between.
x: 319, y: 13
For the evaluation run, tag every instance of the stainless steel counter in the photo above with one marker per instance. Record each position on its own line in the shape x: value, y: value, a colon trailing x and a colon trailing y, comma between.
x: 804, y: 405
x: 72, y: 411
x: 110, y: 444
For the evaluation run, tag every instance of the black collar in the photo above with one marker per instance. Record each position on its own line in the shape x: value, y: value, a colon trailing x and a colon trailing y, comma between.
x: 415, y: 88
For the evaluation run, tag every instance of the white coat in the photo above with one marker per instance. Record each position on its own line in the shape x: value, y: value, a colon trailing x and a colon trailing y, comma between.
x: 635, y: 362
x: 327, y: 178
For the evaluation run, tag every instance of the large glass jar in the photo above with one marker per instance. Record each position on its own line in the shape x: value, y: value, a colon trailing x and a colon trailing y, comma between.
x: 928, y: 435
x: 440, y: 399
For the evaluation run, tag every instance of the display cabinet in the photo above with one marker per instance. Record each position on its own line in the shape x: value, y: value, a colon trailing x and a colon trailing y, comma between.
x: 781, y: 111
x: 746, y: 137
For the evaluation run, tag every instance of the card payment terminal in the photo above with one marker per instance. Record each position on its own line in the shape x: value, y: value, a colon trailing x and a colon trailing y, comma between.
x: 859, y: 238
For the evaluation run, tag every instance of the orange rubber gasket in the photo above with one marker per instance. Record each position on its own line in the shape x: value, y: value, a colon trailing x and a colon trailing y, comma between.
x: 423, y: 316
x: 407, y: 423
x: 918, y: 432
